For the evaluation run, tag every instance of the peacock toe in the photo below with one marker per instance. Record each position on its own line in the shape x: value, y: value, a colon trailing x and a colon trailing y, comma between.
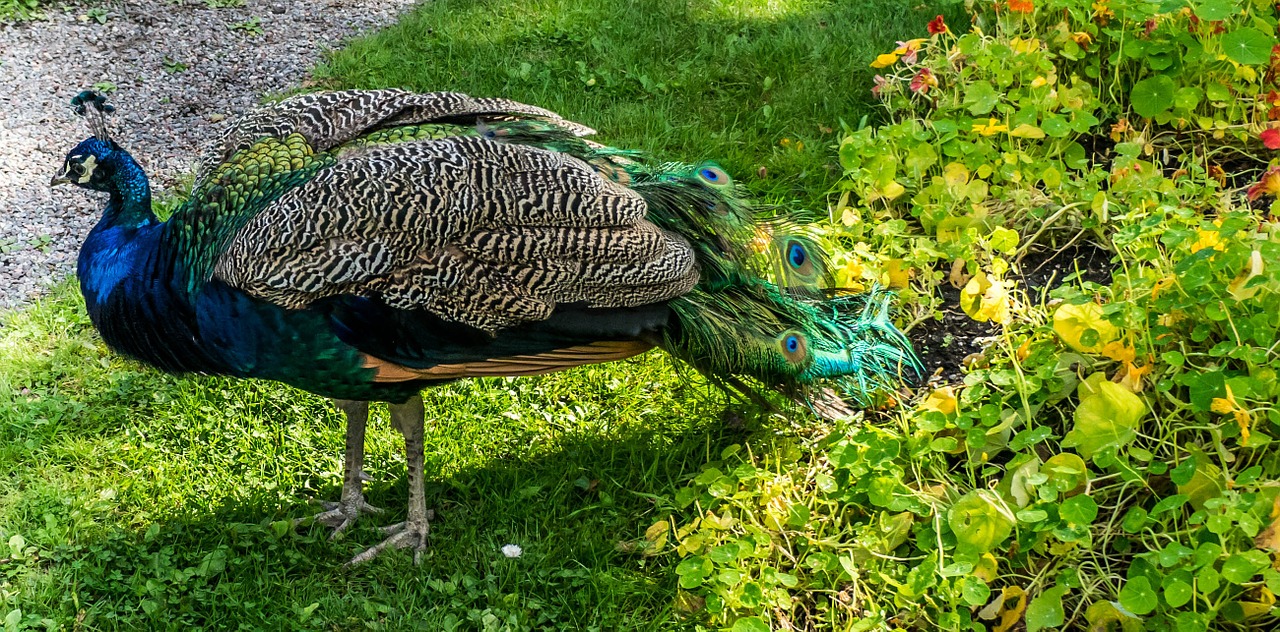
x: 409, y: 534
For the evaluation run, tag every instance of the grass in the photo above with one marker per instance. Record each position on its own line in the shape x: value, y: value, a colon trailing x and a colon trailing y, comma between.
x: 146, y: 500
x: 753, y: 84
x: 133, y: 500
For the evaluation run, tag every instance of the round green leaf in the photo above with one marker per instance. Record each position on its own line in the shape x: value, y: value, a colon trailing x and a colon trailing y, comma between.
x: 1177, y: 593
x: 1031, y: 515
x: 1247, y: 46
x: 1045, y: 611
x: 975, y: 592
x: 1079, y: 510
x: 1135, y: 520
x: 1138, y: 597
x: 1152, y: 95
x: 1181, y: 475
x: 1187, y: 98
x: 750, y: 624
x: 978, y: 521
x: 1241, y: 567
x: 1107, y: 615
x: 1066, y: 472
x: 1212, y: 10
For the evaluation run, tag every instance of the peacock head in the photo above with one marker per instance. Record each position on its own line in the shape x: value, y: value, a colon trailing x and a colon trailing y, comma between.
x: 90, y: 165
x: 95, y: 162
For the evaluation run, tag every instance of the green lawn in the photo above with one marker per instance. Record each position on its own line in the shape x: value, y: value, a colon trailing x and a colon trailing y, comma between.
x: 133, y: 500
x: 738, y: 81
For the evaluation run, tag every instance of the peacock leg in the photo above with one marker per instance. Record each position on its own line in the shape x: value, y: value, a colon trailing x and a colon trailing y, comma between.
x: 343, y: 514
x: 408, y: 418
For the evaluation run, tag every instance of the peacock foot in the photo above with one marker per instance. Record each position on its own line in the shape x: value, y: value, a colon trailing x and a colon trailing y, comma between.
x: 409, y: 534
x: 342, y: 515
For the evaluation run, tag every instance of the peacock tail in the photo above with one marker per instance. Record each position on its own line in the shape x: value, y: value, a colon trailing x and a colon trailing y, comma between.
x: 761, y: 307
x: 403, y: 239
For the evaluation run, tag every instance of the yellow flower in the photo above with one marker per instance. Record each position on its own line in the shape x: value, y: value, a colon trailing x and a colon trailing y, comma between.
x: 885, y: 60
x: 1101, y: 12
x: 1131, y: 377
x: 1208, y: 239
x: 942, y: 400
x: 1228, y: 405
x: 990, y: 128
x: 1162, y: 285
x: 1039, y: 82
x: 1082, y: 39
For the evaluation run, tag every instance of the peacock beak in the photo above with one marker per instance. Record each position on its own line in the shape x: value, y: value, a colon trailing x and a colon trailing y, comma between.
x: 59, y: 180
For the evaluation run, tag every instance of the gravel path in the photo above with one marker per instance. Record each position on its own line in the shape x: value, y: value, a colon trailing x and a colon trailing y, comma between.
x: 179, y: 69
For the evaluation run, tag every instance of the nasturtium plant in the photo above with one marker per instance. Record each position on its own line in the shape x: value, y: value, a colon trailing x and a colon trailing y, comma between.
x: 980, y: 521
x: 1105, y: 458
x: 1152, y: 95
x: 1107, y: 417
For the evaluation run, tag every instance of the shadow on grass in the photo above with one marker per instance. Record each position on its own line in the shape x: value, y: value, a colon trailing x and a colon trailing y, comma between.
x: 145, y: 501
x: 568, y: 510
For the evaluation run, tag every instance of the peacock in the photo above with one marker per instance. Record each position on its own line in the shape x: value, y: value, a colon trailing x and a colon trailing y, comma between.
x: 366, y: 244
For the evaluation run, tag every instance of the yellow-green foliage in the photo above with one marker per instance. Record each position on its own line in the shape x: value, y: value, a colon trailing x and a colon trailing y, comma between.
x: 1108, y: 461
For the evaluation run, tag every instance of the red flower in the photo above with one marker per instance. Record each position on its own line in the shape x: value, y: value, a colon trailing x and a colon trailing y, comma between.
x: 1022, y: 6
x: 937, y: 26
x: 1268, y: 185
x: 1149, y: 27
x: 1270, y: 137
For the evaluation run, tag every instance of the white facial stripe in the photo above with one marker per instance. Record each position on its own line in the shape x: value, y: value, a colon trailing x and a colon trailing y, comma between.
x: 90, y: 162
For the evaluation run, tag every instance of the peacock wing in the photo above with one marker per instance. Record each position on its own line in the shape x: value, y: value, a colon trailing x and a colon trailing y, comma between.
x: 487, y: 234
x: 277, y: 147
x: 330, y: 119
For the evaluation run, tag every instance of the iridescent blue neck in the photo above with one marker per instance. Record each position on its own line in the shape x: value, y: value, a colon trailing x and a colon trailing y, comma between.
x: 130, y: 204
x: 124, y: 242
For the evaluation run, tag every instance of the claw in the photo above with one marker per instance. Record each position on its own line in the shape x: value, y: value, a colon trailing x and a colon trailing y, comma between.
x: 403, y: 535
x: 341, y: 515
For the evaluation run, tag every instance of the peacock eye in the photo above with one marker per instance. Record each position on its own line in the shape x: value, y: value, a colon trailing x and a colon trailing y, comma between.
x: 794, y: 347
x: 796, y: 254
x: 713, y: 175
x: 76, y: 168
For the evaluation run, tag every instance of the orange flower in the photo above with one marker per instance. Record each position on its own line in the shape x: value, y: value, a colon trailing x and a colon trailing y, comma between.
x: 1118, y: 131
x: 1021, y: 6
x: 1082, y: 39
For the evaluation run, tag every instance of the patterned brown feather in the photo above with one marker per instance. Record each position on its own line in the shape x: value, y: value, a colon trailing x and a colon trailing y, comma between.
x: 330, y: 119
x: 477, y: 231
